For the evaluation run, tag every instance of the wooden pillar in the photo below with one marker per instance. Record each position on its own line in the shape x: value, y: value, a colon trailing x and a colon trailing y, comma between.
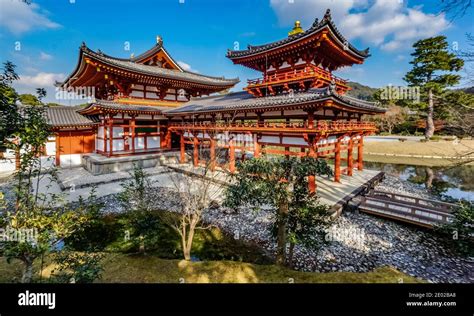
x: 111, y: 135
x: 313, y: 154
x: 350, y: 162
x: 104, y: 126
x: 58, y: 152
x: 195, y: 151
x: 168, y: 139
x: 132, y: 129
x: 256, y: 147
x: 337, y: 161
x: 213, y: 154
x: 310, y: 118
x: 360, y: 153
x: 231, y: 156
x: 182, y: 158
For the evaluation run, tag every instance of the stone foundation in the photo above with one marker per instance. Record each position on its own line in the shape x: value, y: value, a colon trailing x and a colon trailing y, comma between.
x: 98, y: 164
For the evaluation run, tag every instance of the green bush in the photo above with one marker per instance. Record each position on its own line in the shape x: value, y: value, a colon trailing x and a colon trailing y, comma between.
x: 460, y: 231
x: 77, y: 267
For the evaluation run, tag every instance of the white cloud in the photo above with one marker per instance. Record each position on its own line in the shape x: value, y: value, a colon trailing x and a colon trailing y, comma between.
x: 18, y: 17
x: 44, y: 56
x: 400, y: 57
x: 387, y: 24
x: 186, y: 67
x: 40, y: 80
x: 307, y: 10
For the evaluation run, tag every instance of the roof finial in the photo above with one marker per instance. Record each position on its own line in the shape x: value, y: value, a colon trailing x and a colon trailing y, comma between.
x: 159, y: 39
x: 132, y: 55
x: 327, y: 15
x: 296, y: 29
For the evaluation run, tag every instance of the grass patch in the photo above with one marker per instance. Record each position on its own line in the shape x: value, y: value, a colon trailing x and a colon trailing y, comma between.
x: 127, y: 268
x: 108, y: 233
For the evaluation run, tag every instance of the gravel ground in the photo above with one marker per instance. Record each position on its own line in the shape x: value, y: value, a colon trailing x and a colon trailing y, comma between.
x: 355, y: 242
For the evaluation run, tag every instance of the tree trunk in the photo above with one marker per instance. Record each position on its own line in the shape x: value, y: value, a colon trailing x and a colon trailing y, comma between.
x: 189, y: 243
x: 429, y: 130
x: 429, y: 178
x: 290, y: 255
x: 281, y: 239
x: 28, y: 271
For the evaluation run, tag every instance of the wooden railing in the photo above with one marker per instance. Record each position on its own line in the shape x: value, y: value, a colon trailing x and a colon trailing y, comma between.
x: 320, y: 127
x: 412, y: 209
x: 296, y: 74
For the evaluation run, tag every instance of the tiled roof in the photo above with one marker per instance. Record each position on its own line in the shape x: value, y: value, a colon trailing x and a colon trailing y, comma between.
x: 119, y: 107
x: 243, y: 101
x: 129, y: 64
x: 315, y: 28
x: 63, y: 116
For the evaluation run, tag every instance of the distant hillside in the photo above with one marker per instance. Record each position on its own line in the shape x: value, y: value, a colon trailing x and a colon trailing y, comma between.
x: 469, y: 90
x: 361, y: 92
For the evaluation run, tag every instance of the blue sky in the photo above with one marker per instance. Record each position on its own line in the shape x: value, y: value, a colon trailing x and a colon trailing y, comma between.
x: 197, y: 33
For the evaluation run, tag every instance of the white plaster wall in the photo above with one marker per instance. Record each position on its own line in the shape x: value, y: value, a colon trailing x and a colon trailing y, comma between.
x: 99, y: 144
x: 51, y: 148
x: 7, y: 165
x: 73, y: 160
x: 139, y: 143
x: 118, y: 131
x: 153, y: 142
x: 100, y: 132
x: 118, y: 144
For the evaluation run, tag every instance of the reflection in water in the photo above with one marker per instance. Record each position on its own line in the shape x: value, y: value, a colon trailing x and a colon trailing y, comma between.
x: 448, y: 182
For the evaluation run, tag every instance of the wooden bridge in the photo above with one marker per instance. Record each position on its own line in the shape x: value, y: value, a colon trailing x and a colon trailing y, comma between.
x: 414, y: 210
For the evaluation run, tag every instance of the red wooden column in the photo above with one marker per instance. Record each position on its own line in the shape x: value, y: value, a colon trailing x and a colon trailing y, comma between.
x: 132, y: 130
x: 213, y: 153
x: 256, y: 146
x: 195, y: 151
x: 111, y: 135
x: 168, y: 139
x: 360, y: 153
x: 350, y: 161
x: 310, y: 118
x: 231, y: 156
x: 182, y: 158
x: 58, y: 153
x: 337, y: 161
x: 104, y: 126
x: 313, y: 154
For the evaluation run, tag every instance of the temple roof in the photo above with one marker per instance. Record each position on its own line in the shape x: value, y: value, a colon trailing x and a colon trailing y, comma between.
x: 67, y: 116
x: 244, y: 102
x: 318, y: 26
x: 135, y: 65
x: 119, y: 107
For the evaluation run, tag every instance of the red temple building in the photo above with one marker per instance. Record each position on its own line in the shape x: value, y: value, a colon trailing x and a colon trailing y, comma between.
x: 147, y: 106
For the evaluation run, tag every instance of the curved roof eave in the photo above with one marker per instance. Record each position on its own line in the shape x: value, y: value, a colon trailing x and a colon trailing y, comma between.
x: 317, y: 27
x: 84, y: 50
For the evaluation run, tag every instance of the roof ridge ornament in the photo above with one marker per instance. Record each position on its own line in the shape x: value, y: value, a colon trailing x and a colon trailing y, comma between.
x: 159, y: 40
x: 296, y: 29
x: 327, y: 15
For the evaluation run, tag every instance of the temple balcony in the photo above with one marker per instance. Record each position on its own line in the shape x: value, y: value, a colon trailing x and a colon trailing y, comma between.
x: 299, y: 78
x: 319, y: 127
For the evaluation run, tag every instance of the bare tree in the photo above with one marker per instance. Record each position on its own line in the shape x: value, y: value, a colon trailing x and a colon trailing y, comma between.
x: 455, y: 8
x: 197, y: 188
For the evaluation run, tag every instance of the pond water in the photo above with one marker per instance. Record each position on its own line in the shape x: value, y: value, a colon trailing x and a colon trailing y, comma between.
x: 447, y: 182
